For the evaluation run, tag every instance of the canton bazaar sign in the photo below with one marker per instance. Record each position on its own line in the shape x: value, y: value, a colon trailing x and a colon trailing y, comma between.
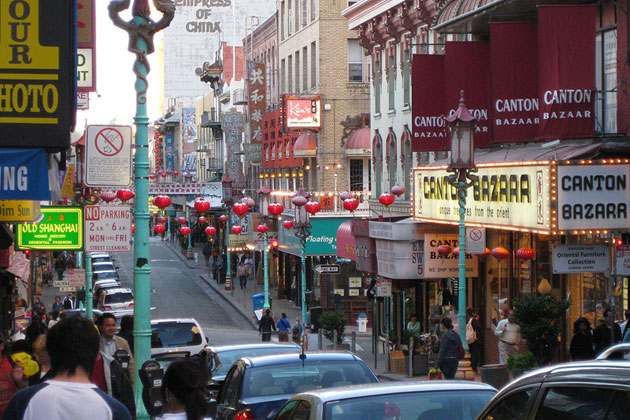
x: 510, y: 196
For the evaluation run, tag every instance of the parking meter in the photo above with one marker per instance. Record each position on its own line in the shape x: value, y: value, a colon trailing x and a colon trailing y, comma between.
x: 152, y: 376
x: 123, y: 358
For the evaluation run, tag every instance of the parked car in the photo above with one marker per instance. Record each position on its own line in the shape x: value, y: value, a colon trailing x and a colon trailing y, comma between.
x: 428, y: 400
x: 115, y: 299
x: 177, y: 335
x: 618, y: 351
x: 98, y: 283
x: 104, y: 275
x: 256, y: 387
x: 101, y: 285
x: 104, y: 266
x: 99, y: 257
x: 72, y: 312
x: 596, y: 389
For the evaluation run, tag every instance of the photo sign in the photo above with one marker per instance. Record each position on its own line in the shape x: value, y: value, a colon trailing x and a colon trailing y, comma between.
x: 515, y: 196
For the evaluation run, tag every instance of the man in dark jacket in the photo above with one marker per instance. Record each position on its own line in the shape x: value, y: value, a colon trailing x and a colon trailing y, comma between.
x: 266, y: 324
x: 601, y: 334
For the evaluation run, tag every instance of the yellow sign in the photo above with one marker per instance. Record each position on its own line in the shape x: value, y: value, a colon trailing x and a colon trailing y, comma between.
x: 237, y: 241
x: 18, y: 210
x: 67, y: 189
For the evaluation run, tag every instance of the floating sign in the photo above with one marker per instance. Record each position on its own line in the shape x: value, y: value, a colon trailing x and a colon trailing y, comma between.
x: 622, y: 260
x: 326, y: 269
x: 76, y: 277
x: 304, y: 113
x: 24, y: 174
x: 108, y: 156
x: 383, y: 288
x: 19, y: 210
x: 108, y: 228
x: 83, y: 100
x: 60, y: 228
x: 85, y: 69
x: 581, y: 258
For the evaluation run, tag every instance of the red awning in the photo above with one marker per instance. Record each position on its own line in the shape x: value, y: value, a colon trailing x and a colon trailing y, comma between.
x: 81, y: 141
x: 306, y: 145
x: 359, y: 143
x: 345, y: 241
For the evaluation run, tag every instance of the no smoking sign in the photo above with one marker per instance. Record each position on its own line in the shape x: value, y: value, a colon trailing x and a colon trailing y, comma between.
x: 108, y: 156
x: 475, y: 240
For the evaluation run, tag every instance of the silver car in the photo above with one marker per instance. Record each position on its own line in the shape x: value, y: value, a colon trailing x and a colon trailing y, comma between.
x: 428, y: 400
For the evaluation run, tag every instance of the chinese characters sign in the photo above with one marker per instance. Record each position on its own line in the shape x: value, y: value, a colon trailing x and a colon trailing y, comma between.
x: 256, y: 99
x: 233, y: 126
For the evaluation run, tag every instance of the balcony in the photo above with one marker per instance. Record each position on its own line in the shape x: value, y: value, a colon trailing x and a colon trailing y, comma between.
x: 210, y: 119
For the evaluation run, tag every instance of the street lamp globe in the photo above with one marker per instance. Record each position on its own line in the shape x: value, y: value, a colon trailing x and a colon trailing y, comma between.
x: 462, y: 124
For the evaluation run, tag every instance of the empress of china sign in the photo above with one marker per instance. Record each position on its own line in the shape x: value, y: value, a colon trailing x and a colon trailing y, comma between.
x: 515, y: 196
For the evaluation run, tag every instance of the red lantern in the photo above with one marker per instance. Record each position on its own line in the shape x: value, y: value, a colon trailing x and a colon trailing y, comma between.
x: 444, y: 249
x: 185, y: 230
x: 182, y: 220
x: 108, y: 196
x: 350, y: 204
x: 525, y: 253
x: 211, y: 230
x: 299, y: 200
x: 176, y: 173
x: 456, y: 251
x: 484, y: 254
x: 162, y: 201
x: 500, y: 253
x: 262, y: 228
x: 288, y: 224
x: 345, y: 195
x: 240, y: 209
x: 313, y: 207
x: 386, y: 199
x: 125, y: 194
x: 202, y: 205
x: 275, y: 208
x: 236, y: 229
x: 202, y: 219
x: 162, y: 219
x: 223, y: 218
x: 152, y: 176
x: 398, y: 190
x: 159, y: 228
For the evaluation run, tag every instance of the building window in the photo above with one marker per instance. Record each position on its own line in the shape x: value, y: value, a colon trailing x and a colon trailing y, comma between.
x: 283, y: 75
x: 304, y: 69
x: 606, y: 81
x: 406, y: 79
x: 377, y: 87
x: 282, y: 20
x: 290, y: 78
x: 289, y: 18
x: 406, y: 158
x: 297, y: 16
x: 313, y: 65
x: 378, y: 168
x: 304, y: 10
x: 297, y: 71
x: 391, y: 82
x: 391, y: 145
x: 356, y: 175
x: 313, y: 10
x: 355, y: 61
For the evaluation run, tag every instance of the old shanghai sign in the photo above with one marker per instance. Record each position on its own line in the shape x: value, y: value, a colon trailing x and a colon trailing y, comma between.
x: 503, y: 196
x: 60, y: 228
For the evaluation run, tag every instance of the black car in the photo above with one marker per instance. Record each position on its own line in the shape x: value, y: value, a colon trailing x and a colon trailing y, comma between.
x: 256, y: 387
x: 593, y: 390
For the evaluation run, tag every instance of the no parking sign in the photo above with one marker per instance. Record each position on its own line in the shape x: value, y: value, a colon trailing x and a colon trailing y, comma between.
x: 108, y: 156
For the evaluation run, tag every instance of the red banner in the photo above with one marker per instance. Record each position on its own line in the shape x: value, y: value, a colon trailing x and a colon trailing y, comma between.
x: 467, y: 68
x: 566, y: 69
x: 429, y: 126
x: 514, y: 72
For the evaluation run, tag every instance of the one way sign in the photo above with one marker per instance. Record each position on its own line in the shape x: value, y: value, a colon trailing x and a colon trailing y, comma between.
x: 326, y: 269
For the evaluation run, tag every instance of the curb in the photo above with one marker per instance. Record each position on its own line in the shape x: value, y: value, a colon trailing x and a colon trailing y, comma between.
x: 225, y: 299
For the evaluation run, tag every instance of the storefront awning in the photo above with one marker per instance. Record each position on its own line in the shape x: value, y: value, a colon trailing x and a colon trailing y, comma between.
x: 345, y: 241
x: 305, y: 145
x: 359, y: 143
x: 474, y: 15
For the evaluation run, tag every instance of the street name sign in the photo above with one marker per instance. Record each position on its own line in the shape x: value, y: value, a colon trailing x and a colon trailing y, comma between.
x: 107, y: 228
x: 594, y: 258
x: 60, y: 228
x: 326, y: 269
x: 108, y: 156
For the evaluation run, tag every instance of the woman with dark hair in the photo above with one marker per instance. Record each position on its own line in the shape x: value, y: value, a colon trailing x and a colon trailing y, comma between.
x: 183, y: 391
x: 582, y: 342
x: 448, y: 355
x: 126, y: 330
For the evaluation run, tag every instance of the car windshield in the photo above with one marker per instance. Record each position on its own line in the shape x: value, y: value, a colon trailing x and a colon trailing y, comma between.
x: 452, y: 405
x: 101, y: 260
x: 119, y: 298
x: 228, y: 357
x: 293, y: 378
x: 173, y: 334
x: 104, y: 275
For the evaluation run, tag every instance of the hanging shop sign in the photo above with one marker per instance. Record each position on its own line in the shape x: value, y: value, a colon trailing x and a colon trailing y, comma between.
x: 60, y: 228
x: 322, y: 241
x: 108, y: 228
x: 169, y: 152
x: 429, y: 124
x: 594, y: 258
x: 19, y: 210
x: 257, y: 88
x: 383, y: 288
x: 622, y: 260
x: 108, y: 156
x: 400, y: 259
x: 302, y: 113
x: 76, y: 277
x: 438, y: 266
x: 593, y: 197
x: 21, y: 174
x: 502, y: 196
x: 407, y: 229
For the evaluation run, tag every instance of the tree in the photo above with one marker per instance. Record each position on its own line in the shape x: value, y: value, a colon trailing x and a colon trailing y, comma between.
x: 538, y: 317
x: 330, y: 322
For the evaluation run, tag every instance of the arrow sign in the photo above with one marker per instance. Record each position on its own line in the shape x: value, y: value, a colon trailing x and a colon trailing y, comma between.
x: 326, y: 269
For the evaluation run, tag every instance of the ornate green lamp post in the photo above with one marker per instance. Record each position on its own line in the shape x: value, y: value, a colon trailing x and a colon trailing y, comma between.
x: 141, y: 30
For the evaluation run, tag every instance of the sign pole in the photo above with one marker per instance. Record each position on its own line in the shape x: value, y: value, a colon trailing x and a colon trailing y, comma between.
x: 89, y: 298
x: 266, y: 272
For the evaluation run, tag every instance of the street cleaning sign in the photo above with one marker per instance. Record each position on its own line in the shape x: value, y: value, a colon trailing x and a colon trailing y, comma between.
x: 107, y: 228
x: 60, y: 228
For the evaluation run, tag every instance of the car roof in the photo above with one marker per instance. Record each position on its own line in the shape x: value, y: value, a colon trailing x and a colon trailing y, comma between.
x: 115, y: 290
x: 104, y: 271
x: 281, y: 346
x: 311, y: 356
x: 177, y: 320
x: 100, y: 254
x: 384, y: 388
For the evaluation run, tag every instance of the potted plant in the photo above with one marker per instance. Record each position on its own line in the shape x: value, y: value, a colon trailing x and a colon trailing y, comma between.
x: 332, y: 322
x: 521, y: 363
x: 420, y: 360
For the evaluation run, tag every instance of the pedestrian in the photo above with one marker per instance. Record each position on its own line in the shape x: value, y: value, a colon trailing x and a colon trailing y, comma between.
x: 72, y: 346
x: 283, y: 328
x: 601, y: 334
x: 265, y: 325
x: 70, y: 301
x: 60, y: 266
x: 509, y: 333
x: 207, y: 251
x: 183, y: 391
x: 35, y: 329
x: 241, y: 273
x: 249, y: 265
x: 11, y: 377
x: 296, y: 331
x: 448, y: 355
x: 57, y: 305
x: 581, y: 347
x: 38, y: 307
x: 473, y: 334
x: 42, y: 357
x: 624, y: 325
x: 126, y: 330
x: 414, y: 327
x: 51, y: 320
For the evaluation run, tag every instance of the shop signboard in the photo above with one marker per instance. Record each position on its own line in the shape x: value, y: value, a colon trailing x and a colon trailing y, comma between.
x: 583, y: 258
x: 354, y: 281
x: 76, y: 277
x: 19, y: 210
x: 383, y: 288
x: 60, y: 228
x: 502, y: 196
x: 365, y: 250
x: 622, y: 260
x: 400, y: 259
x: 593, y: 197
x: 237, y: 241
x: 302, y: 113
x: 23, y: 171
x: 108, y: 228
x: 322, y: 241
x: 437, y: 266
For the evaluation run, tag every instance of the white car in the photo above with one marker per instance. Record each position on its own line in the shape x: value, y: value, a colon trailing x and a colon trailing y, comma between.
x: 115, y: 299
x: 177, y: 335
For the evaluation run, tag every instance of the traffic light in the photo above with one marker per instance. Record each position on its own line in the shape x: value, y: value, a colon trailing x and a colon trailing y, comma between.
x: 274, y: 248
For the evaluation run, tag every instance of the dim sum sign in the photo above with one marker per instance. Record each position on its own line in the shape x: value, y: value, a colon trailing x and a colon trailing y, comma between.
x: 37, y: 73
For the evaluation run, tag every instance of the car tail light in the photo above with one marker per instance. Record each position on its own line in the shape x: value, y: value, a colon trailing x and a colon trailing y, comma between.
x: 244, y: 415
x: 107, y: 307
x: 131, y: 304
